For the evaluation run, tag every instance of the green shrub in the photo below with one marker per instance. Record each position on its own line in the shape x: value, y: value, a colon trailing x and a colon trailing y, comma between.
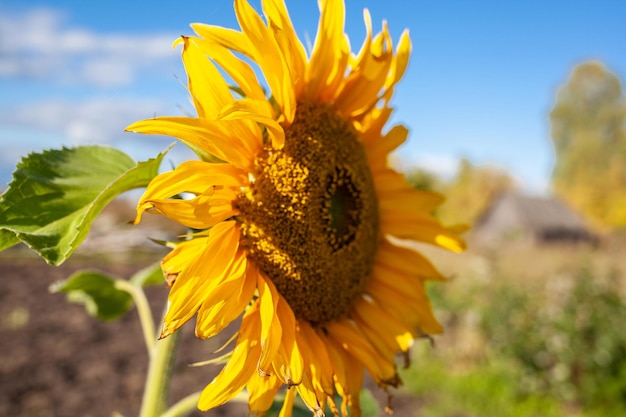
x: 486, y: 389
x: 568, y: 339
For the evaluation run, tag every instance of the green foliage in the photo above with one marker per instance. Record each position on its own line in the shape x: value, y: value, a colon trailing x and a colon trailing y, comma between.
x: 7, y: 239
x: 589, y: 136
x: 369, y: 404
x: 97, y: 292
x: 423, y: 180
x: 570, y: 344
x: 471, y: 191
x: 484, y: 390
x: 529, y: 332
x: 55, y: 196
x: 104, y: 296
x: 152, y: 275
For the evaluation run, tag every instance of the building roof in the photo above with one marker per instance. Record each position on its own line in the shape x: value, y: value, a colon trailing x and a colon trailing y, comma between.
x: 543, y: 217
x: 546, y: 213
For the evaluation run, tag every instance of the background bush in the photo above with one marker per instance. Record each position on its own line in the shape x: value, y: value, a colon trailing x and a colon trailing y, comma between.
x: 544, y: 340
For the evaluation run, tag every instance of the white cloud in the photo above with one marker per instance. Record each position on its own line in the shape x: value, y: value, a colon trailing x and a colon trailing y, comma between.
x: 93, y: 121
x: 443, y: 165
x: 55, y: 123
x: 37, y: 44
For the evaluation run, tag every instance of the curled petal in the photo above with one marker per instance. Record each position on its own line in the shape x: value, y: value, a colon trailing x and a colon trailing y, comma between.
x: 201, y: 212
x: 262, y: 390
x: 196, y: 279
x: 226, y: 300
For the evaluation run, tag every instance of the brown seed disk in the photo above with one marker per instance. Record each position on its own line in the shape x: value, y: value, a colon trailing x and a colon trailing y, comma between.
x: 310, y: 220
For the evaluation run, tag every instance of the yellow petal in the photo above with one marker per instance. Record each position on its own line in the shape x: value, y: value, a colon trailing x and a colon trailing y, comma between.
x: 227, y: 300
x: 415, y: 311
x: 209, y: 91
x: 266, y: 53
x: 406, y: 261
x: 288, y: 363
x: 239, y: 369
x: 400, y: 193
x: 319, y: 363
x: 384, y: 325
x: 310, y: 396
x: 200, y: 212
x: 287, y: 408
x: 417, y: 228
x: 348, y: 376
x: 331, y: 51
x: 401, y: 60
x: 292, y: 50
x: 352, y: 341
x: 389, y: 182
x: 371, y: 126
x: 314, y: 393
x: 260, y: 112
x: 229, y: 38
x: 202, y: 273
x: 240, y: 71
x: 367, y: 78
x: 182, y: 256
x: 234, y: 141
x: 193, y: 177
x: 271, y: 329
x: 262, y: 390
x: 386, y: 347
x: 381, y: 149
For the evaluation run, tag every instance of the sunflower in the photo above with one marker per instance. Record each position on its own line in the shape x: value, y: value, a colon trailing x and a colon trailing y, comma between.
x: 295, y: 211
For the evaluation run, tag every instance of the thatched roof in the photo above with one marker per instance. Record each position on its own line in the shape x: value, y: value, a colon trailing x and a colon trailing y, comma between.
x: 539, y: 218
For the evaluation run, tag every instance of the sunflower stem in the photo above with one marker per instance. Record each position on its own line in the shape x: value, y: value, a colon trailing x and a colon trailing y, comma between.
x: 156, y: 391
x: 184, y: 406
x: 143, y: 309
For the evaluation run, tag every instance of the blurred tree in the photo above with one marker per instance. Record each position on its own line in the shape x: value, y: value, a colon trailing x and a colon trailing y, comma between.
x: 421, y: 179
x: 469, y: 193
x: 589, y: 136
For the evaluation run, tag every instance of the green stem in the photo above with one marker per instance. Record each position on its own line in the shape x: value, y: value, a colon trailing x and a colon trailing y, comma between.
x: 143, y: 309
x: 162, y: 355
x: 156, y: 391
x: 184, y: 406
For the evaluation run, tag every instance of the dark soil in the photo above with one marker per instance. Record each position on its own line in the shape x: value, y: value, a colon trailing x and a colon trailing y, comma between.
x: 59, y: 361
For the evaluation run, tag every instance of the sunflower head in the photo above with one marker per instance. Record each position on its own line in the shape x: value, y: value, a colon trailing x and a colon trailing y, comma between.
x: 297, y: 218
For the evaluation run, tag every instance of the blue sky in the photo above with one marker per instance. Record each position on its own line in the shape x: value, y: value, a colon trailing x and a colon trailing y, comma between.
x: 481, y: 81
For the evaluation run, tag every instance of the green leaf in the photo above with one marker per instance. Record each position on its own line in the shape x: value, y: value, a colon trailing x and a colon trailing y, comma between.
x: 55, y: 196
x: 7, y: 239
x: 152, y: 275
x: 369, y: 404
x: 97, y: 292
